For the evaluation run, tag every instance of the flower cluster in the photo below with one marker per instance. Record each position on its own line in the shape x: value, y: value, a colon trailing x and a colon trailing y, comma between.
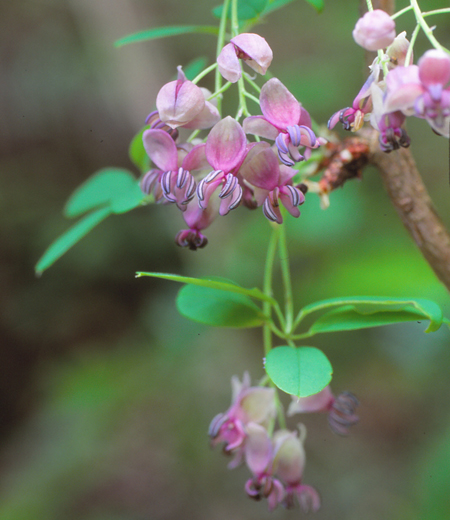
x: 275, y: 460
x: 210, y: 177
x: 396, y: 89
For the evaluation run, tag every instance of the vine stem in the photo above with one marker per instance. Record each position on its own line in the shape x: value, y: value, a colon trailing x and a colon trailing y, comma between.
x: 203, y: 73
x: 425, y: 27
x: 286, y: 275
x: 220, y: 44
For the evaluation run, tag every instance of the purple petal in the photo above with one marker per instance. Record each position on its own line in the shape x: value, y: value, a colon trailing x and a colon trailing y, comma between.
x: 196, y: 158
x: 260, y: 167
x: 228, y: 63
x: 197, y: 218
x: 291, y: 198
x: 305, y: 118
x: 226, y: 145
x: 161, y: 149
x: 258, y: 125
x: 278, y: 105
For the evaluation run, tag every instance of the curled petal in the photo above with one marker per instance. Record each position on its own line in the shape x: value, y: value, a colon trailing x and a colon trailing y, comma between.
x: 207, y: 186
x: 291, y: 198
x: 179, y: 102
x: 150, y: 183
x: 278, y: 105
x: 161, y: 149
x: 342, y: 414
x: 231, y: 195
x: 179, y: 187
x: 271, y: 207
x: 228, y: 63
x: 191, y: 238
x: 226, y: 145
x: 254, y: 50
x: 308, y: 498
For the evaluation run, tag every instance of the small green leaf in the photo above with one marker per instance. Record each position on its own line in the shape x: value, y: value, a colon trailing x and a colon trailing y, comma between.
x: 275, y: 5
x: 70, y: 238
x: 317, y: 4
x: 113, y: 187
x: 194, y: 67
x: 137, y: 153
x: 218, y: 308
x: 348, y: 318
x: 163, y: 32
x: 247, y: 9
x: 367, y: 305
x: 300, y: 371
x: 212, y: 283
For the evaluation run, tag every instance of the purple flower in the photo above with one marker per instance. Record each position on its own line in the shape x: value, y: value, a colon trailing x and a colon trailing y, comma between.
x: 340, y: 409
x: 249, y: 404
x: 251, y: 48
x: 375, y: 30
x: 181, y: 103
x: 288, y: 465
x: 285, y: 121
x: 172, y: 178
x: 259, y: 453
x: 271, y: 182
x: 226, y: 147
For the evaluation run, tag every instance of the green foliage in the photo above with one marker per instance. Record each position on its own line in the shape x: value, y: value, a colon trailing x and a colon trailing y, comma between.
x: 370, y: 311
x: 70, y: 238
x: 212, y: 283
x: 137, y: 153
x: 278, y: 4
x: 247, y: 9
x: 194, y: 67
x: 112, y: 187
x: 317, y: 4
x: 218, y: 308
x: 163, y: 32
x: 300, y: 371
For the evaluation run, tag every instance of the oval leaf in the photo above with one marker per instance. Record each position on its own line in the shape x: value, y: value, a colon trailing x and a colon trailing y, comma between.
x: 218, y: 308
x: 300, y: 371
x: 70, y: 238
x: 113, y: 187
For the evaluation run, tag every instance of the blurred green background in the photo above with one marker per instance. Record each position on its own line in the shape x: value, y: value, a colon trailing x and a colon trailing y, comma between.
x: 106, y: 393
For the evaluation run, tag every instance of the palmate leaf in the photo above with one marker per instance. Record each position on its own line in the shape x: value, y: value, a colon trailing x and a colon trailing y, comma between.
x: 163, y: 32
x: 300, y: 371
x: 371, y: 311
x: 70, y: 238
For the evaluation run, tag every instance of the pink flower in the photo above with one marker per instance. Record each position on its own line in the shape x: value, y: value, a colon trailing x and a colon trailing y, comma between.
x: 181, y: 103
x: 340, y: 409
x: 249, y: 404
x: 285, y: 121
x: 375, y: 30
x: 288, y: 466
x: 252, y: 48
x: 226, y: 147
x: 271, y: 182
x: 173, y: 178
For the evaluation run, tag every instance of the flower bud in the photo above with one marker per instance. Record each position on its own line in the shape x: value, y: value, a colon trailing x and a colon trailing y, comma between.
x: 375, y: 30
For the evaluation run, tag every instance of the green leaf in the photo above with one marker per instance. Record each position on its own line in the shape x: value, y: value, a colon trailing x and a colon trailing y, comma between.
x: 300, y: 371
x: 317, y: 4
x: 163, y: 32
x: 218, y: 308
x: 407, y: 309
x: 275, y: 5
x: 137, y: 153
x: 113, y: 187
x: 70, y: 238
x: 212, y: 283
x: 194, y: 67
x: 247, y: 9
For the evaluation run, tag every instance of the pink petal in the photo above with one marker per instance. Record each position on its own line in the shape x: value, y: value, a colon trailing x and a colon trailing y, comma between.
x: 375, y: 30
x: 257, y: 125
x: 258, y: 448
x: 257, y: 49
x: 320, y: 402
x: 207, y: 118
x: 228, y: 63
x: 305, y: 118
x: 196, y: 158
x: 434, y: 68
x: 197, y: 218
x: 161, y: 149
x: 258, y: 404
x: 179, y: 102
x: 261, y: 168
x: 278, y: 105
x: 289, y: 459
x: 289, y: 194
x: 226, y: 145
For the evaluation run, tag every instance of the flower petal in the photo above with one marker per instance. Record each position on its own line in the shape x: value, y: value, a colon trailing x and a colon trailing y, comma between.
x: 258, y: 125
x: 259, y: 54
x: 261, y: 168
x: 434, y: 68
x: 289, y: 459
x: 161, y: 149
x: 179, y: 102
x: 258, y: 448
x: 228, y: 63
x: 207, y: 118
x: 226, y: 145
x: 278, y: 105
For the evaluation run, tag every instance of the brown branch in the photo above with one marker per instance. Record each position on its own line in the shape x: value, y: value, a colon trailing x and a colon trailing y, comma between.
x: 408, y: 194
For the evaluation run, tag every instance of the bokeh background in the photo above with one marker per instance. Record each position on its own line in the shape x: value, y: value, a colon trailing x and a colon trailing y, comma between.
x: 106, y: 392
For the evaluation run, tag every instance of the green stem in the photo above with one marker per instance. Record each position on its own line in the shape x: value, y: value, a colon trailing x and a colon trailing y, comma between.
x: 369, y: 5
x: 436, y: 11
x: 250, y: 96
x: 411, y: 45
x: 286, y: 275
x: 252, y: 83
x: 425, y: 27
x: 220, y: 44
x: 193, y: 136
x: 402, y: 11
x: 218, y: 92
x: 204, y: 73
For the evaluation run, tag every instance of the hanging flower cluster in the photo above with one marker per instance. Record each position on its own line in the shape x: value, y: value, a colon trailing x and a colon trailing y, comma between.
x: 396, y: 88
x: 210, y: 177
x: 276, y: 460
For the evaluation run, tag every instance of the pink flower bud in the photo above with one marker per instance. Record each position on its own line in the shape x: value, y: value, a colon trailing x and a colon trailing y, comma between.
x: 375, y: 30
